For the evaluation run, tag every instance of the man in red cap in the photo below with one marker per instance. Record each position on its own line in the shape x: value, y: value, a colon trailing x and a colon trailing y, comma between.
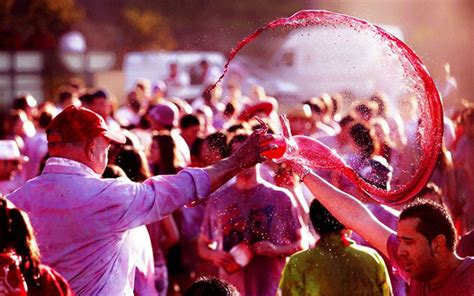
x: 83, y: 222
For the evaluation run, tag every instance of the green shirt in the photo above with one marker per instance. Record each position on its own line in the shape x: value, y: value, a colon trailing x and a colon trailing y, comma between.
x: 335, y: 267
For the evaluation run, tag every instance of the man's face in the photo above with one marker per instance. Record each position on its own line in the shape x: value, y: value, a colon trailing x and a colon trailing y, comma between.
x: 99, y: 156
x: 415, y: 251
x: 8, y: 169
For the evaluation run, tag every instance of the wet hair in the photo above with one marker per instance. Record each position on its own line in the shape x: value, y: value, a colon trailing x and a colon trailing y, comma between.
x: 206, y: 286
x: 363, y: 139
x: 16, y: 233
x: 134, y: 163
x: 323, y: 222
x: 433, y: 220
x: 218, y: 142
x: 189, y: 120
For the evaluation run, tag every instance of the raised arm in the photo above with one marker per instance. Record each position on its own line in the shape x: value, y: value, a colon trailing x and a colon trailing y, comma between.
x: 348, y: 210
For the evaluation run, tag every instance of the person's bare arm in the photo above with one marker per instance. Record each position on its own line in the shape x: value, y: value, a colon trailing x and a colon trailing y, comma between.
x: 247, y: 156
x: 348, y: 210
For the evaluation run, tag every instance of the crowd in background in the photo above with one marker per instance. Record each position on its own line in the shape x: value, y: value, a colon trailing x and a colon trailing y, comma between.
x: 167, y: 134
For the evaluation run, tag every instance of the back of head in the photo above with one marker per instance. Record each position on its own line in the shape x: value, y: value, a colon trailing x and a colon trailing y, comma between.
x: 189, y: 120
x: 323, y: 222
x: 218, y: 142
x: 433, y: 220
x: 206, y: 286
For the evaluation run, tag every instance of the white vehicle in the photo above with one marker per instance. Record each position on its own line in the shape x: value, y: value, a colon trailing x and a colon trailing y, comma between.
x: 312, y: 61
x: 319, y: 60
x: 155, y: 66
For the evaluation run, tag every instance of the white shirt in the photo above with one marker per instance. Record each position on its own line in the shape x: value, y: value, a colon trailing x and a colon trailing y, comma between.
x: 83, y: 222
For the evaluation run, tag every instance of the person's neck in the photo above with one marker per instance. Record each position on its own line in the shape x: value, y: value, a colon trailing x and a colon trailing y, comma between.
x: 446, y: 268
x: 247, y: 180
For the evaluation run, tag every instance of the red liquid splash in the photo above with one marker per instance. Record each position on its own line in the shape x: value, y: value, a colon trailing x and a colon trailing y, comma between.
x: 430, y: 128
x: 279, y: 152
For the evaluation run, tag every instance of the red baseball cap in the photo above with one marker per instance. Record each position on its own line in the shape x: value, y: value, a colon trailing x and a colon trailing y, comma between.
x: 263, y: 107
x: 76, y: 124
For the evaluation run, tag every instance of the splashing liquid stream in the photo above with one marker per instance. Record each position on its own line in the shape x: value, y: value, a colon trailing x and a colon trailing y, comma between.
x: 311, y: 152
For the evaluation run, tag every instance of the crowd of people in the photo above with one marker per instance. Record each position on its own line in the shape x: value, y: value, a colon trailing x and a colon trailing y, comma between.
x: 150, y: 196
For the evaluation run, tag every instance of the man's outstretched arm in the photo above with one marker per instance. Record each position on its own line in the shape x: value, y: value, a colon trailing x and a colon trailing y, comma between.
x: 348, y: 210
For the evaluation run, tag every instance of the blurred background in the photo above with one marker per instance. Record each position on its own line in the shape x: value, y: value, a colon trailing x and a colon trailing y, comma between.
x: 44, y: 43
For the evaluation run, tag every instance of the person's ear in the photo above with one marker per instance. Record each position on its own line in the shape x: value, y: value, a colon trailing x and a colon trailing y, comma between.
x: 89, y: 148
x: 438, y: 244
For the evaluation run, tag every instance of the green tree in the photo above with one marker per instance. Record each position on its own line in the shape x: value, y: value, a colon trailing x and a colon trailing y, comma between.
x: 57, y: 16
x: 147, y: 30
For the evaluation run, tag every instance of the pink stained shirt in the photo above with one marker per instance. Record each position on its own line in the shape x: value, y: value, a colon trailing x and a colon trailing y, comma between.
x: 83, y: 222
